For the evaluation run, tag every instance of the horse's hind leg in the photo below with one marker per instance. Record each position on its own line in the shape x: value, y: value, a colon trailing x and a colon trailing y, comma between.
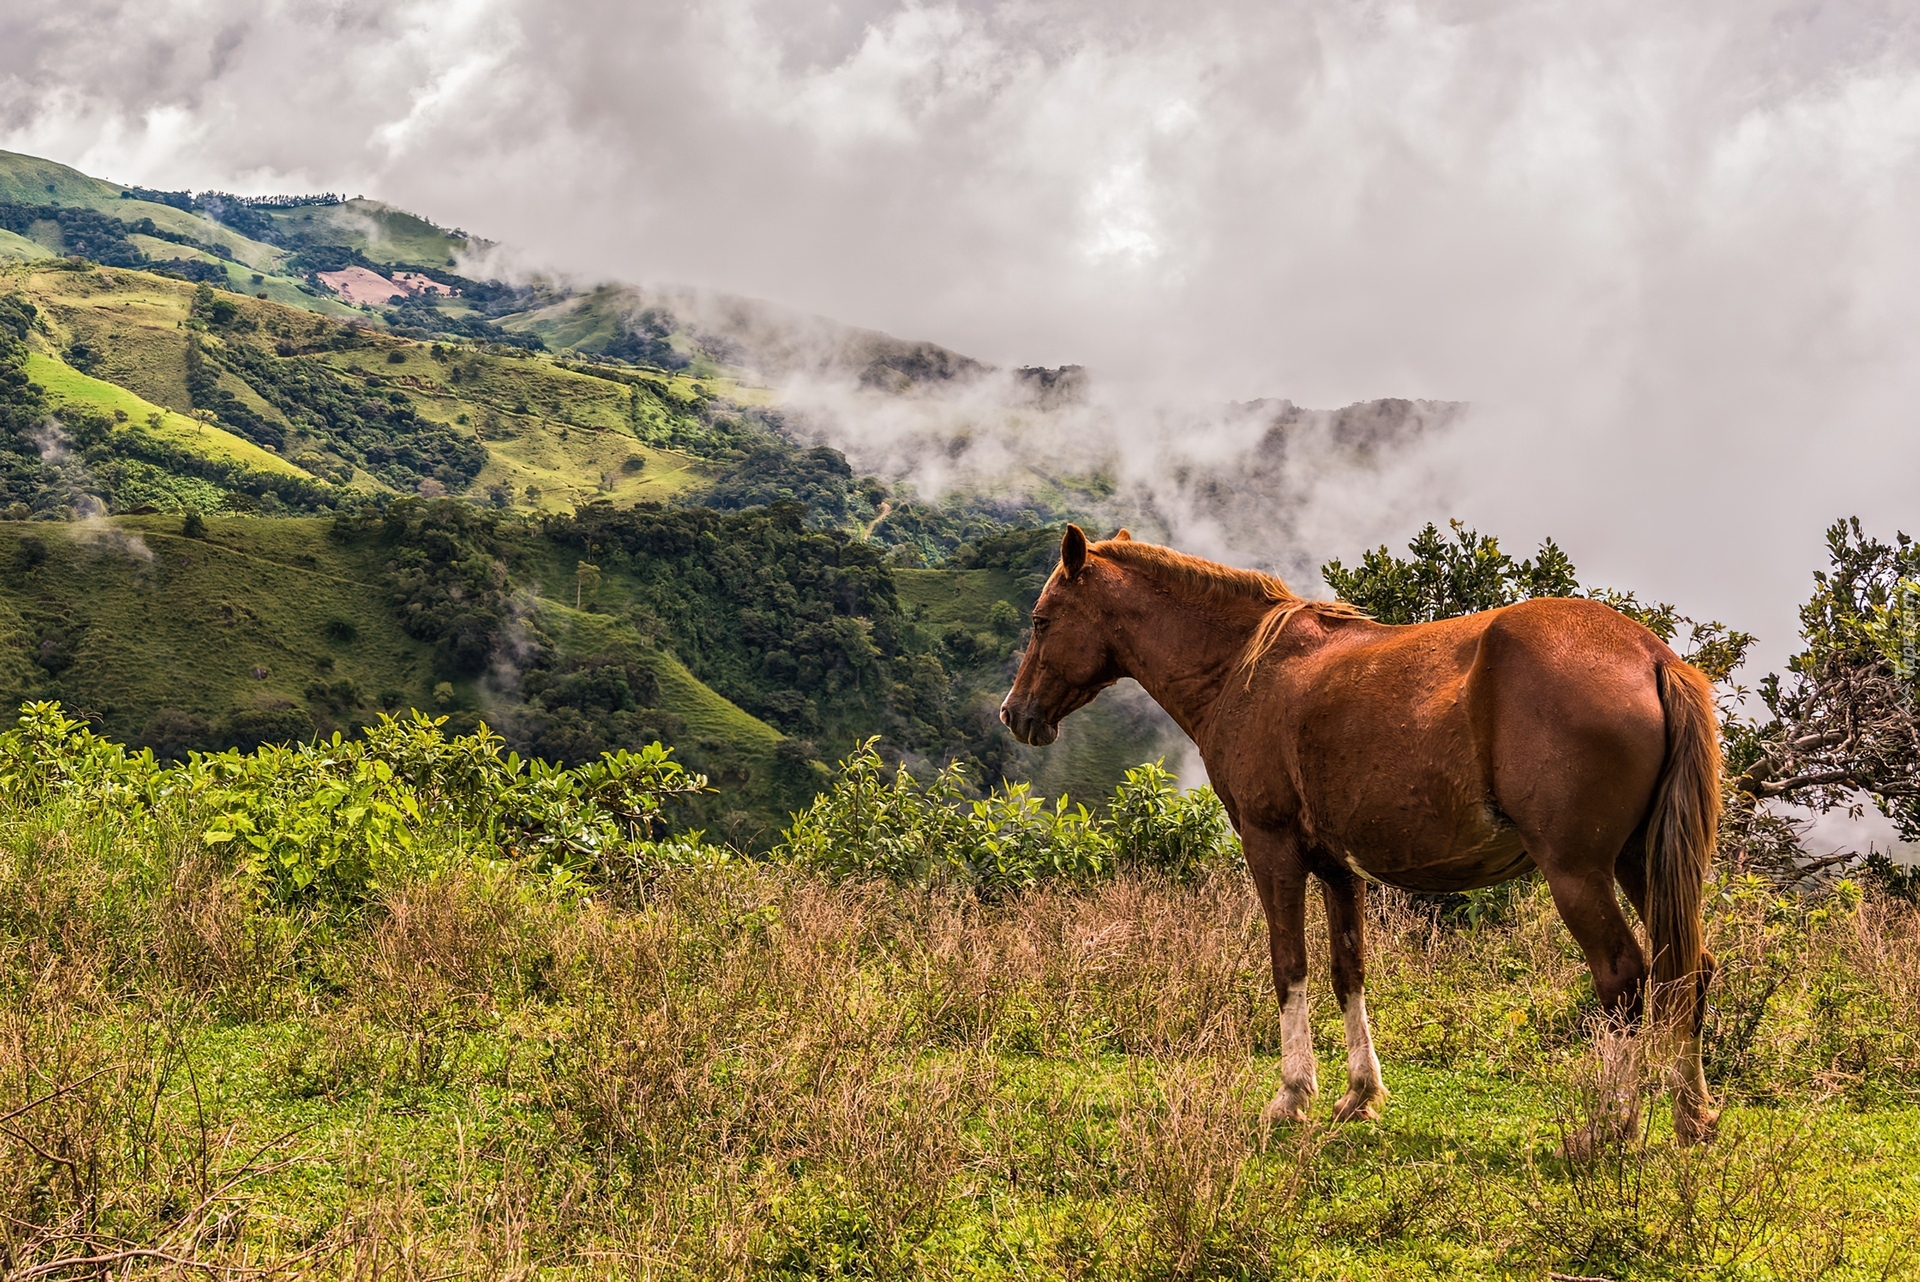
x: 1694, y: 1116
x: 1587, y: 904
x: 1274, y: 861
x: 1345, y: 896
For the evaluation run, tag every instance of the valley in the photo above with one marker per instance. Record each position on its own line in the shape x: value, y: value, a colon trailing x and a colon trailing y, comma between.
x: 220, y: 450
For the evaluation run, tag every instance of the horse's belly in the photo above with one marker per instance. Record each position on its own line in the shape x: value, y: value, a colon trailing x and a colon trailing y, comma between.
x: 1486, y: 853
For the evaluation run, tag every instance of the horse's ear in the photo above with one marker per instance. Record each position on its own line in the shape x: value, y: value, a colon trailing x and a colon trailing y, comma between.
x: 1073, y: 551
x: 1124, y: 536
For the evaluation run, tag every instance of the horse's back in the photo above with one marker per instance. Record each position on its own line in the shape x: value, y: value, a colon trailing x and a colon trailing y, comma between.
x: 1435, y: 755
x: 1577, y: 671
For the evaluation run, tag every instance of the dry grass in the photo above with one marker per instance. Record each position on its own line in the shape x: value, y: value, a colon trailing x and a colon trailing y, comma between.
x: 755, y: 1072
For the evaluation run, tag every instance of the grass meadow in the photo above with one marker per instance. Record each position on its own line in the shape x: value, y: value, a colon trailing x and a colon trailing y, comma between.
x: 749, y: 1070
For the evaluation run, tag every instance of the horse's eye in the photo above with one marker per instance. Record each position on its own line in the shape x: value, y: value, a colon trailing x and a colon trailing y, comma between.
x: 1039, y: 625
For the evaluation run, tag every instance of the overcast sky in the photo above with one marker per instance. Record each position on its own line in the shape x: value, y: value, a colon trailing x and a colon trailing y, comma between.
x: 1670, y: 252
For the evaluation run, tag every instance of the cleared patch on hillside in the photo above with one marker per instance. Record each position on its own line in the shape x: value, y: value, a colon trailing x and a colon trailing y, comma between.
x: 940, y: 598
x: 357, y: 285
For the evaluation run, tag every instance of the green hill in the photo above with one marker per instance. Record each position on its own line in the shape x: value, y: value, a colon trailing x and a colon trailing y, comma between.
x: 29, y: 180
x: 270, y: 629
x: 280, y: 389
x: 172, y: 360
x: 373, y: 229
x: 262, y: 629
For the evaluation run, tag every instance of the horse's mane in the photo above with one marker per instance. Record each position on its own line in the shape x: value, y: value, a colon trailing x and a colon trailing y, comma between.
x: 1206, y: 578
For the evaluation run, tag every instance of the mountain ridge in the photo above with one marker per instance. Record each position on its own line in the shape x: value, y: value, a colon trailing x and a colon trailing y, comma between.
x: 167, y: 377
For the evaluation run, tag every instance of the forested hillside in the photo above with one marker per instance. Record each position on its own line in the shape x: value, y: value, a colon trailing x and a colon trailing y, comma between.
x: 758, y: 646
x: 272, y: 467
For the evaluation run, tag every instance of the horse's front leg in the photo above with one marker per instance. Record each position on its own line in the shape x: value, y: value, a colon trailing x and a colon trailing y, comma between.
x: 1346, y: 900
x: 1274, y: 861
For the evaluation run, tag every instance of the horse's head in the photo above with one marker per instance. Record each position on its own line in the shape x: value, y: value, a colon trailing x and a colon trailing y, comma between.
x: 1069, y: 656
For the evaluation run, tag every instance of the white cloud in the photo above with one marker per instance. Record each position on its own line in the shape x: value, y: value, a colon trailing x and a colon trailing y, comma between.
x: 1666, y: 250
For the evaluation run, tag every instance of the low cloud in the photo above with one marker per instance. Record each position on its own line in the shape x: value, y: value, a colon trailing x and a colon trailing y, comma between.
x: 1664, y: 251
x: 1264, y: 483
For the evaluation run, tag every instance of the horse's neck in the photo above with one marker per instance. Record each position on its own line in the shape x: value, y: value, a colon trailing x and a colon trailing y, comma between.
x: 1187, y: 657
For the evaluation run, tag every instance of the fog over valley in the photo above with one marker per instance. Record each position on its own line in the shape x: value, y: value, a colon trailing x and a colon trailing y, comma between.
x: 1662, y: 253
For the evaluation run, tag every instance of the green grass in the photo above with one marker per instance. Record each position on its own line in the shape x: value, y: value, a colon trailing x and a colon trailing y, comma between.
x: 66, y: 385
x: 240, y: 269
x: 378, y: 230
x: 165, y: 251
x: 709, y: 716
x: 156, y: 621
x: 20, y: 248
x: 584, y: 324
x: 943, y: 598
x: 748, y: 1071
x: 568, y: 435
x: 29, y: 180
x: 134, y: 320
x: 452, y: 1146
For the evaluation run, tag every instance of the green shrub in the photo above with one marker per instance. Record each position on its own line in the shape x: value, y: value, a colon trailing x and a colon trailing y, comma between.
x: 870, y: 825
x: 1157, y: 826
x: 334, y: 822
x: 1010, y: 841
x: 875, y: 824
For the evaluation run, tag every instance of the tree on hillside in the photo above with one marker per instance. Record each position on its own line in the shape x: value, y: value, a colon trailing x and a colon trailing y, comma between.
x: 1448, y: 577
x: 1843, y: 731
x: 1467, y: 572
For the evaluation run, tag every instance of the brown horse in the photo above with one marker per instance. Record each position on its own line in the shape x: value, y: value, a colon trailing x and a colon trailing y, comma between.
x: 1554, y: 734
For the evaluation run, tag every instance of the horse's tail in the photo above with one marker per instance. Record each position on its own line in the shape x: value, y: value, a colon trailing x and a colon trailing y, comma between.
x: 1680, y: 838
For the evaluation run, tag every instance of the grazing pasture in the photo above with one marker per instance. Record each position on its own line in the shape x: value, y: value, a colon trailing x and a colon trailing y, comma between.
x: 466, y: 1057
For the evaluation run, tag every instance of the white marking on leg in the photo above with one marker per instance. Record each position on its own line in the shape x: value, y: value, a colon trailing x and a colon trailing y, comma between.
x: 1298, y: 1068
x: 1694, y: 1115
x: 1363, y: 1066
x: 1299, y: 1075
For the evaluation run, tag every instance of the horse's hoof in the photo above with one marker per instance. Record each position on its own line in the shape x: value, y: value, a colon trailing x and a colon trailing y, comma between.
x: 1360, y: 1106
x: 1287, y: 1105
x: 1696, y: 1125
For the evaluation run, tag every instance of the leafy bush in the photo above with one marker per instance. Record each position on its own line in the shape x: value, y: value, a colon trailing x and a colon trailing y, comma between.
x: 1157, y: 826
x: 1010, y: 840
x: 335, y: 821
x: 875, y: 824
x: 870, y: 825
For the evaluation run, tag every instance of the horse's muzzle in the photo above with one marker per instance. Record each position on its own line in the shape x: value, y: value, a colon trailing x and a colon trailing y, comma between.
x: 1027, y: 726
